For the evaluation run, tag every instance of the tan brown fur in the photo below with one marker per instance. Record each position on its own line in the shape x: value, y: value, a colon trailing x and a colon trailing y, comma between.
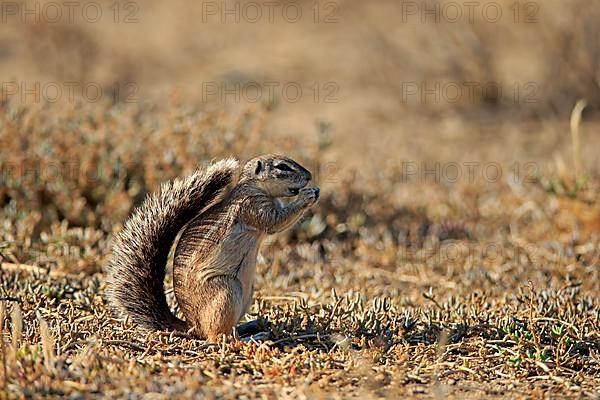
x: 215, y: 259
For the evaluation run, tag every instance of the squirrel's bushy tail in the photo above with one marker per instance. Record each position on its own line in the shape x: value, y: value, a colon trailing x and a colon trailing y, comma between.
x: 139, y: 253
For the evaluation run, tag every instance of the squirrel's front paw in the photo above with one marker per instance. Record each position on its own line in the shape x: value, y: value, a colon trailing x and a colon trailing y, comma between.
x: 309, y: 195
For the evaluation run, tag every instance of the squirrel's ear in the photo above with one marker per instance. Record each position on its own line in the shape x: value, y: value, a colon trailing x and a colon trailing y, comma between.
x: 259, y: 167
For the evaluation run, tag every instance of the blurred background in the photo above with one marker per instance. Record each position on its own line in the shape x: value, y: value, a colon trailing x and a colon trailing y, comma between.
x: 382, y: 78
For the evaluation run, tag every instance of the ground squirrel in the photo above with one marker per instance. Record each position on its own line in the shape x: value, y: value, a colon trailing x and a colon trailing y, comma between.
x: 215, y: 258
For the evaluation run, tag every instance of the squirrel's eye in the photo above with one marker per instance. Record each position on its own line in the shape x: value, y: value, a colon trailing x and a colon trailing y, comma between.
x: 258, y: 168
x: 283, y: 167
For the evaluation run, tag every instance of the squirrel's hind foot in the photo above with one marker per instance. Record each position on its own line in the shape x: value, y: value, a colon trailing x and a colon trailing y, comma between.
x: 220, y: 308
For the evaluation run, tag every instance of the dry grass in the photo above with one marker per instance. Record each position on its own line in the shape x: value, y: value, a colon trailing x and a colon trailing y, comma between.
x: 395, y: 285
x: 453, y: 296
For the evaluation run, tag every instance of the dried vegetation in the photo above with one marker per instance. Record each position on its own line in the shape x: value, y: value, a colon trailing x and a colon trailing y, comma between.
x: 365, y: 296
x: 396, y: 285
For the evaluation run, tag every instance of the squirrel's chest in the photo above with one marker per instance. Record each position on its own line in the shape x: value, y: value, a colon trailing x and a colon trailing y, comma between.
x: 246, y: 242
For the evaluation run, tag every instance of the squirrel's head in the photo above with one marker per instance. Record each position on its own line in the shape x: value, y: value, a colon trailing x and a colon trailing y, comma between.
x: 278, y: 176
